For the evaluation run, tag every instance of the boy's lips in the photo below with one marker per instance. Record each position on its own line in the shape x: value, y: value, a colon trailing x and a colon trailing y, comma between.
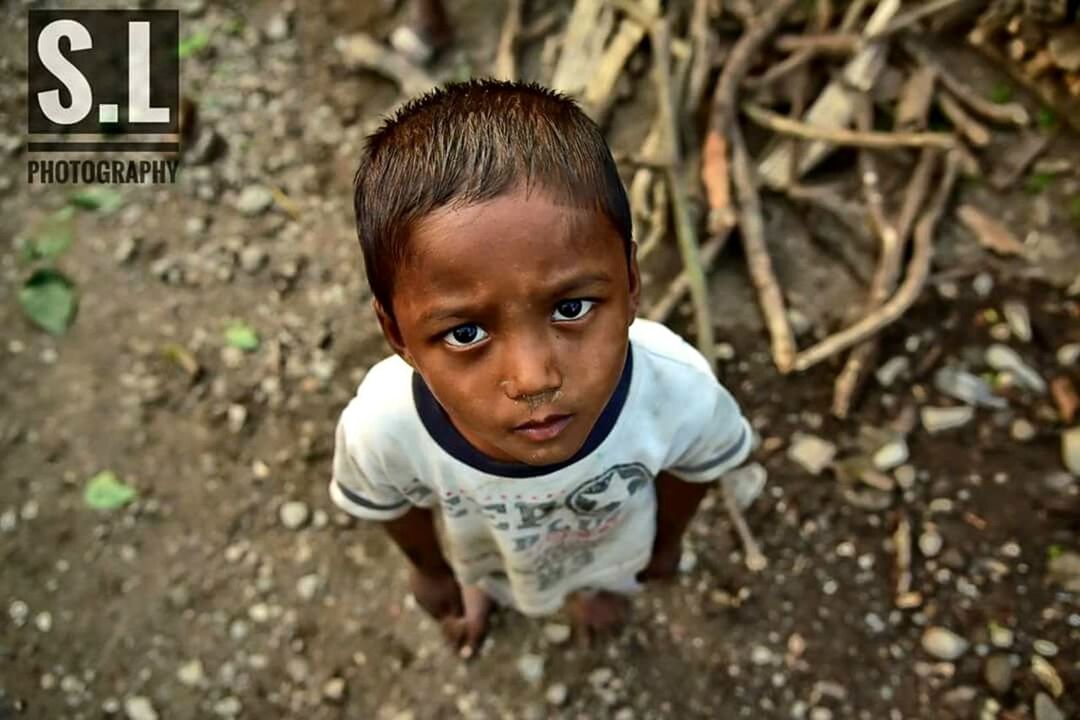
x: 545, y: 428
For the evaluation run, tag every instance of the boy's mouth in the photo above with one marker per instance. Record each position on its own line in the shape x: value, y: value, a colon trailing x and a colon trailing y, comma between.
x: 546, y: 428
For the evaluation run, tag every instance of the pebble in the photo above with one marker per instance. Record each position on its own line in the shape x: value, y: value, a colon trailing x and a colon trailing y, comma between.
x: 308, y: 586
x: 278, y: 28
x: 252, y: 259
x: 601, y: 676
x: 810, y: 452
x: 138, y: 707
x: 983, y: 284
x: 237, y: 415
x: 1045, y: 648
x: 967, y: 388
x: 761, y: 655
x: 126, y: 249
x: 905, y: 476
x: 1065, y: 570
x: 260, y: 612
x: 297, y: 669
x: 1022, y: 430
x: 294, y: 514
x: 1045, y: 709
x: 1004, y: 359
x: 940, y: 419
x: 1016, y: 315
x: 191, y: 673
x: 1070, y: 450
x: 930, y: 542
x: 531, y: 667
x: 43, y: 621
x: 725, y: 352
x: 1001, y: 636
x: 557, y: 633
x: 334, y: 689
x: 556, y: 694
x: 892, y: 369
x: 943, y: 644
x: 820, y: 713
x: 1068, y: 354
x: 254, y: 199
x: 891, y: 455
x: 228, y: 707
x: 998, y: 673
x: 1047, y: 676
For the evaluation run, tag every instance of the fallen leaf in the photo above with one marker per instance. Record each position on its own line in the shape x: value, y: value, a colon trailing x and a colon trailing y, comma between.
x: 105, y: 491
x: 1065, y: 397
x: 55, y: 235
x: 242, y: 336
x: 48, y: 299
x: 990, y: 233
x: 99, y: 197
x: 193, y: 44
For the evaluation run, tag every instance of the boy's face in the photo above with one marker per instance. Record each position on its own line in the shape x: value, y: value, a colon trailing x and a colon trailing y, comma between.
x: 516, y: 311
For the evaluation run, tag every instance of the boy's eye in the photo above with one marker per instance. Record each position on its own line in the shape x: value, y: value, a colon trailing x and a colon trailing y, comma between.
x: 465, y: 335
x: 573, y: 309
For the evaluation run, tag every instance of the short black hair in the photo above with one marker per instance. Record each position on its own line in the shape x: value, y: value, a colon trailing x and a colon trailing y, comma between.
x: 470, y: 142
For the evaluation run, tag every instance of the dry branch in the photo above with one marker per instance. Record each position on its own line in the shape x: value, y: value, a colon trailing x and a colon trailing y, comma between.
x: 505, y: 65
x: 915, y: 99
x: 840, y: 43
x: 755, y: 559
x: 913, y: 16
x: 975, y: 132
x: 363, y: 51
x: 843, y: 136
x: 905, y: 296
x: 662, y: 308
x: 599, y: 94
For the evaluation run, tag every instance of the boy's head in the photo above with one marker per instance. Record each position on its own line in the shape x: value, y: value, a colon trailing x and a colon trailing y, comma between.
x: 496, y: 241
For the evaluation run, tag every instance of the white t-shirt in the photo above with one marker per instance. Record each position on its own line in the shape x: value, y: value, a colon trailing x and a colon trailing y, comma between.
x: 529, y: 535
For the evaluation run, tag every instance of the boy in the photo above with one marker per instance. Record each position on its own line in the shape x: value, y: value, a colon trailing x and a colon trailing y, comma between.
x: 562, y: 445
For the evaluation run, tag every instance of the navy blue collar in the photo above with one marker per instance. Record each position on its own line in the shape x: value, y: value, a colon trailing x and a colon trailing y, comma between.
x: 438, y: 425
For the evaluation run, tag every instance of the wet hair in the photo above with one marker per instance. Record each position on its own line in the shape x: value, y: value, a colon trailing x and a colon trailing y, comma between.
x: 468, y: 143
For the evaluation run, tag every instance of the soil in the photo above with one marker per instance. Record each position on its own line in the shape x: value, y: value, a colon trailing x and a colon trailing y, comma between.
x: 99, y: 607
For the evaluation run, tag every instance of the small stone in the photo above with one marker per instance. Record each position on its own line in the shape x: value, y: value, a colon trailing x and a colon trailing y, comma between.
x: 1045, y: 648
x: 983, y: 284
x: 531, y: 667
x: 1045, y: 709
x: 1001, y: 636
x: 761, y: 655
x: 9, y: 520
x: 252, y: 259
x: 238, y: 630
x: 892, y: 369
x: 278, y: 28
x: 905, y: 476
x: 820, y: 713
x: 308, y: 586
x: 930, y: 542
x: 967, y: 388
x: 998, y: 673
x: 799, y: 322
x: 1070, y: 450
x: 1004, y: 359
x: 557, y: 633
x: 228, y: 707
x: 940, y: 419
x: 1021, y: 430
x: 624, y: 714
x: 260, y: 612
x: 1019, y: 320
x: 191, y: 673
x: 297, y: 670
x: 725, y: 352
x: 556, y: 695
x: 334, y: 690
x: 1067, y: 355
x: 294, y: 514
x: 1047, y: 676
x: 43, y: 621
x: 138, y: 707
x: 746, y: 484
x: 601, y: 677
x: 943, y: 644
x: 254, y: 199
x: 237, y: 417
x: 810, y: 452
x: 891, y: 455
x: 126, y: 249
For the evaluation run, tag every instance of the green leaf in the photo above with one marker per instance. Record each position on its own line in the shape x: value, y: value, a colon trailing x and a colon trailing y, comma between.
x: 1038, y: 182
x: 48, y: 298
x: 1002, y: 92
x: 242, y: 336
x: 193, y: 44
x: 1046, y: 118
x: 98, y: 197
x: 55, y: 235
x: 105, y: 491
x: 1054, y: 551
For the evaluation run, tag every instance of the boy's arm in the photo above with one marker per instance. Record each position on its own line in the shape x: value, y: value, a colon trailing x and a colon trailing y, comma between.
x: 433, y: 583
x: 676, y: 503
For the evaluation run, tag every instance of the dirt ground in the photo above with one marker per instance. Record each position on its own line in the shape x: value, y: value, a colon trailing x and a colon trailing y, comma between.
x: 197, y: 601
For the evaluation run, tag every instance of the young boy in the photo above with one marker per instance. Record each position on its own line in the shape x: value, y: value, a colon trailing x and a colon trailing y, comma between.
x: 561, y: 444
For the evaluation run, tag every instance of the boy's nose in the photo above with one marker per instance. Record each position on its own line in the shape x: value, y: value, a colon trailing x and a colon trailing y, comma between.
x: 531, y: 369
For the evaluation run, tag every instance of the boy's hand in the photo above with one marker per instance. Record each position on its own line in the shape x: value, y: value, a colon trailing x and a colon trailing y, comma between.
x: 437, y: 593
x: 462, y: 612
x: 664, y: 563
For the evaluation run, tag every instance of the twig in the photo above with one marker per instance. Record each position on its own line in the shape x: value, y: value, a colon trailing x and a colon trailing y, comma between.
x: 915, y: 98
x: 975, y: 132
x: 662, y: 308
x: 1016, y: 158
x: 685, y: 232
x: 1008, y: 113
x: 505, y: 65
x: 362, y: 51
x: 658, y: 219
x: 843, y: 136
x: 902, y: 545
x: 702, y: 47
x: 599, y: 93
x: 852, y: 376
x: 913, y: 16
x: 755, y: 559
x: 905, y: 296
x: 587, y: 28
x: 802, y: 57
x: 541, y: 26
x: 840, y: 43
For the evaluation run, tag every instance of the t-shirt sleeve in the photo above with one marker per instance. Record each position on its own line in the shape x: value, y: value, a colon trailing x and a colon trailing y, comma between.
x: 360, y: 484
x: 714, y: 437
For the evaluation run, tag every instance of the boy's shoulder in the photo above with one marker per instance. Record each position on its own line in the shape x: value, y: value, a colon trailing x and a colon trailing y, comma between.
x: 382, y: 408
x: 666, y: 350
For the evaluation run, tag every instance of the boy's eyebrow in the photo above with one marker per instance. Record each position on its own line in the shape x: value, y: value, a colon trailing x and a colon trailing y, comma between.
x: 560, y: 288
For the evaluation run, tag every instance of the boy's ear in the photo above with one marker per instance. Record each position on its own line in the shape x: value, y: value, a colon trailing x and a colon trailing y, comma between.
x: 635, y: 282
x: 391, y: 331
